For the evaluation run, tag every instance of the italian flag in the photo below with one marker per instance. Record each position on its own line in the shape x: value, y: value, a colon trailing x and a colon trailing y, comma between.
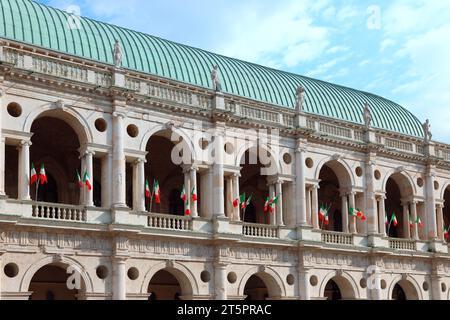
x: 272, y: 204
x: 194, y: 194
x: 147, y: 189
x: 246, y: 203
x: 360, y: 214
x: 386, y: 220
x: 43, y: 175
x: 236, y: 203
x: 394, y: 220
x: 80, y: 182
x: 411, y: 222
x: 326, y: 220
x: 183, y: 195
x: 323, y: 212
x: 156, y: 192
x: 87, y: 181
x: 352, y: 212
x: 33, y: 175
x: 419, y: 222
x: 187, y: 211
x: 266, y: 204
x: 446, y: 233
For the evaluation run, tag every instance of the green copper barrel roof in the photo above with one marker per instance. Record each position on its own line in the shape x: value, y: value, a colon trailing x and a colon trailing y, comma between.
x: 33, y: 23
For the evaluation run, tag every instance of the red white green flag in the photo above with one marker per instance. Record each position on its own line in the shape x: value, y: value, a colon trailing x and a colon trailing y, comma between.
x: 236, y: 203
x: 156, y: 192
x: 183, y: 195
x: 323, y: 212
x: 394, y: 220
x: 43, y: 175
x: 194, y: 194
x: 446, y: 233
x: 419, y: 222
x: 273, y: 204
x: 326, y: 220
x: 87, y: 181
x: 245, y: 204
x: 33, y: 175
x: 187, y: 211
x: 411, y: 222
x: 266, y: 204
x: 352, y: 212
x: 386, y: 220
x: 147, y: 189
x: 79, y: 180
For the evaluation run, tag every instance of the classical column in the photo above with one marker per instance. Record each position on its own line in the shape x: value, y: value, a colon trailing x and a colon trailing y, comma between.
x: 440, y: 221
x: 24, y: 170
x: 193, y: 178
x: 118, y: 161
x: 228, y: 199
x: 139, y: 185
x: 351, y: 200
x: 2, y: 146
x: 87, y: 166
x: 430, y: 204
x: 236, y: 211
x: 303, y: 284
x: 218, y: 175
x: 406, y: 228
x: 207, y: 198
x: 344, y: 209
x: 415, y: 230
x: 300, y: 186
x: 272, y: 195
x: 308, y: 206
x: 119, y: 278
x: 279, y: 206
x: 370, y: 200
x: 220, y: 280
x: 382, y: 216
x: 315, y: 207
x: 106, y: 181
x: 187, y: 188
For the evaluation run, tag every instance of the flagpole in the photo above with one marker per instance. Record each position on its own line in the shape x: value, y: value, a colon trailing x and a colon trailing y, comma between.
x: 37, y: 188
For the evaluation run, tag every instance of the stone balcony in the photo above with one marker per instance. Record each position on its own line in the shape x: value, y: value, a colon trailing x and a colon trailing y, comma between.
x: 89, y: 218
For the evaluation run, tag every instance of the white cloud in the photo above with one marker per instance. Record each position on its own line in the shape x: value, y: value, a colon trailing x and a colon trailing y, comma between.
x: 338, y: 49
x: 386, y: 43
x: 364, y: 63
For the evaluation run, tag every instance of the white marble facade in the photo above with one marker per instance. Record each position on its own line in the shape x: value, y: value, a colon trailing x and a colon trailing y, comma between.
x: 118, y: 246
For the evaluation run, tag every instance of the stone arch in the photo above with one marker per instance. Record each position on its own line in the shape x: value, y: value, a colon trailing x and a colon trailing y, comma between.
x: 270, y: 277
x: 409, y: 285
x: 69, y: 115
x: 159, y: 128
x: 445, y: 187
x: 403, y: 180
x: 60, y: 260
x: 251, y: 147
x: 340, y: 167
x: 60, y: 175
x: 347, y: 285
x: 183, y: 274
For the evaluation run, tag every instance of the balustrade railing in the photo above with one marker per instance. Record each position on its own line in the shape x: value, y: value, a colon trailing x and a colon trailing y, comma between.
x: 54, y: 211
x: 260, y: 230
x: 402, y: 244
x: 337, y: 238
x: 161, y: 221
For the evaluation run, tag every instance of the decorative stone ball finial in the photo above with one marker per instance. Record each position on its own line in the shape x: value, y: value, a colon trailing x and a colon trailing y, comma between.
x: 215, y: 79
x: 300, y: 98
x: 117, y: 54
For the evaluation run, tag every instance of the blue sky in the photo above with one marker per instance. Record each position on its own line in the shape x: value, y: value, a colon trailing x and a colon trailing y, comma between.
x: 397, y: 49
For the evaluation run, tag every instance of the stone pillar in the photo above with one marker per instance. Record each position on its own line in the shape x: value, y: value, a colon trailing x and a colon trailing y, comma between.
x: 119, y: 278
x: 87, y: 166
x: 415, y: 230
x: 279, y: 206
x: 308, y: 206
x: 118, y: 161
x: 440, y: 222
x: 430, y: 204
x: 220, y: 280
x: 406, y: 227
x: 382, y: 216
x: 300, y: 186
x: 351, y: 199
x: 236, y: 211
x: 315, y: 207
x: 272, y: 216
x: 24, y: 170
x: 207, y: 198
x: 193, y: 178
x: 106, y: 181
x: 139, y: 185
x: 303, y: 284
x: 2, y: 146
x: 218, y: 175
x: 229, y: 198
x: 370, y: 200
x: 344, y: 209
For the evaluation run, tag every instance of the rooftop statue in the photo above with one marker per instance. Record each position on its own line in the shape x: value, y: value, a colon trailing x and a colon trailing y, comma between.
x: 426, y: 131
x: 300, y: 98
x: 117, y: 54
x: 367, y: 115
x: 215, y: 79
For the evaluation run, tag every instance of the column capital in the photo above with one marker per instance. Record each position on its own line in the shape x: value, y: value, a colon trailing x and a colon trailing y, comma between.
x: 140, y: 160
x: 220, y: 264
x: 236, y: 175
x: 119, y: 259
x: 119, y: 114
x: 440, y: 205
x: 25, y: 142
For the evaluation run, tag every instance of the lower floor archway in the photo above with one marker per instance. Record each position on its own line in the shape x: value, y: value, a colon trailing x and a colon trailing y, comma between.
x: 256, y: 289
x: 404, y: 290
x: 50, y: 283
x: 339, y: 288
x: 164, y: 286
x: 332, y: 291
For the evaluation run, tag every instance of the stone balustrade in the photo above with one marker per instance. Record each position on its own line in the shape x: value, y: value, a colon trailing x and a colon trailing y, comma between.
x: 337, y: 238
x: 260, y: 230
x: 402, y: 244
x: 162, y: 221
x: 52, y: 211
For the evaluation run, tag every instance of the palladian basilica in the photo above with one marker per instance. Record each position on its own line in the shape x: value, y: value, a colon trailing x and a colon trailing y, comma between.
x: 133, y: 167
